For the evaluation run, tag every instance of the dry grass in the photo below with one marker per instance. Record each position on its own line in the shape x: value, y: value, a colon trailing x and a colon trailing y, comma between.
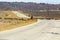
x: 8, y: 14
x: 14, y: 24
x: 7, y: 24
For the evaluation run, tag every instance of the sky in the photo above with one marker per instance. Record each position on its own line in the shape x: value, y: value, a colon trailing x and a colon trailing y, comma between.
x: 37, y: 1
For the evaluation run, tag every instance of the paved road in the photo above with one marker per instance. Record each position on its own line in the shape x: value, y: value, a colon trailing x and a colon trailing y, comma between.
x: 20, y: 14
x: 43, y: 30
x: 52, y: 32
x: 30, y: 31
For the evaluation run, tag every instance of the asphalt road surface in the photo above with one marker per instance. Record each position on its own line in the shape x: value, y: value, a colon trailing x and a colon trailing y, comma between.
x: 42, y: 30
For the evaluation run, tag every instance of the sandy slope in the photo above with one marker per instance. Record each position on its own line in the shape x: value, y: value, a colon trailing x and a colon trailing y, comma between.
x: 20, y: 14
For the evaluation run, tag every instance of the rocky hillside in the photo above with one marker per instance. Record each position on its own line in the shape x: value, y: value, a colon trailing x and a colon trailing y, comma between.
x: 27, y: 6
x: 32, y: 8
